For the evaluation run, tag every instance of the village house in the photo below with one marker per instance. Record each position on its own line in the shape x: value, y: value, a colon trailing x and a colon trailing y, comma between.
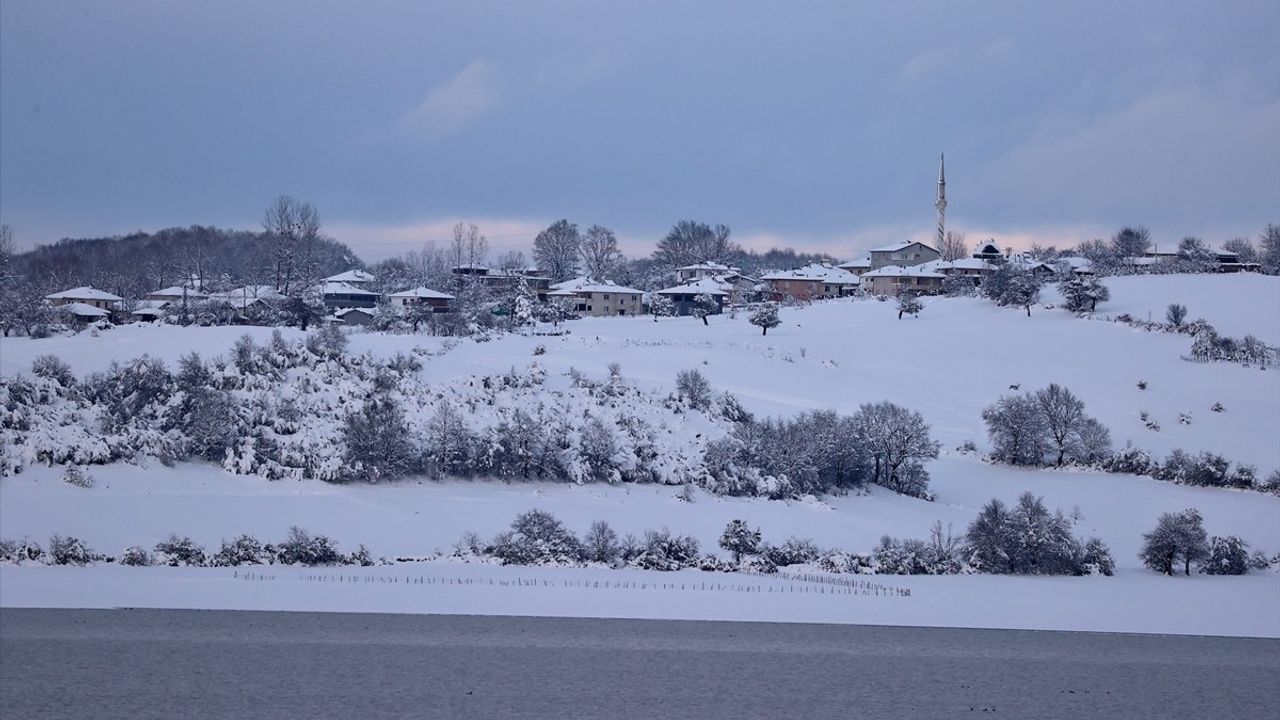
x: 506, y: 280
x: 903, y: 254
x: 359, y: 278
x: 175, y: 295
x: 599, y: 299
x: 971, y: 268
x: 92, y: 297
x: 242, y: 298
x: 811, y: 282
x: 895, y: 280
x: 345, y: 295
x: 857, y: 267
x: 684, y: 297
x: 353, y: 316
x: 421, y: 296
x: 699, y: 271
x: 988, y: 251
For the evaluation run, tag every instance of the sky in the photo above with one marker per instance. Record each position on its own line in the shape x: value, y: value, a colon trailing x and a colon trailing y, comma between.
x: 811, y: 125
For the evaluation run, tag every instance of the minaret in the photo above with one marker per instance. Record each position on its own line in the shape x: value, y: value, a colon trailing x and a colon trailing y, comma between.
x: 941, y: 204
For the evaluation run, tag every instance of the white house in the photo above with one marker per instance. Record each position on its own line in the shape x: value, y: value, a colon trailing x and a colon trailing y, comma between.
x: 345, y: 295
x: 599, y: 299
x: 438, y: 301
x: 358, y: 278
x: 895, y: 279
x: 698, y: 271
x: 85, y: 295
x: 903, y: 254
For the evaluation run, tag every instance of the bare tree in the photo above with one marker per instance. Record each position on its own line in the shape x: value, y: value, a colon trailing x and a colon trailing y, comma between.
x: 292, y: 227
x: 556, y: 250
x: 954, y: 246
x: 512, y: 261
x: 691, y: 242
x: 1243, y: 247
x: 1131, y: 241
x: 600, y: 254
x: 469, y: 247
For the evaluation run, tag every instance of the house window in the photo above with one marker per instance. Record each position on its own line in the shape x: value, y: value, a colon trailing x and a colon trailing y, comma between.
x: 606, y: 296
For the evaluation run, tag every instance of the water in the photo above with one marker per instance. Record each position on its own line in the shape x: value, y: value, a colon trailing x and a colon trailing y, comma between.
x: 205, y: 664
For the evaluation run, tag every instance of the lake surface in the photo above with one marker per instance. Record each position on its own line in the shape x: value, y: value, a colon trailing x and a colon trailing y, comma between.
x: 218, y: 664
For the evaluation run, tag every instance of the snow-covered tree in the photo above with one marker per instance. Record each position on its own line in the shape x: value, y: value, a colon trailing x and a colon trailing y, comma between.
x: 600, y: 544
x: 909, y: 304
x: 1227, y: 556
x: 328, y: 342
x: 556, y: 250
x: 1195, y: 256
x: 598, y: 448
x: 1242, y: 247
x: 739, y: 539
x: 988, y: 539
x: 1177, y: 537
x: 661, y: 306
x: 765, y: 317
x: 694, y: 388
x: 306, y: 306
x: 1269, y: 249
x: 1017, y: 430
x: 897, y: 441
x: 1083, y: 293
x: 703, y: 305
x: 1131, y: 241
x: 537, y: 537
x: 378, y: 445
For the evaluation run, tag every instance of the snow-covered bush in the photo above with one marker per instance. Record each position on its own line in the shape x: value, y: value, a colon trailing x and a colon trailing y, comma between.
x: 52, y: 367
x: 795, y: 551
x: 1227, y: 556
x: 537, y: 537
x: 327, y: 342
x: 693, y: 388
x: 68, y: 550
x: 20, y: 551
x: 739, y: 539
x: 135, y: 556
x: 243, y: 550
x: 909, y: 304
x: 303, y: 548
x: 600, y: 544
x: 941, y: 554
x: 1083, y: 293
x: 1045, y: 426
x: 1028, y: 539
x: 378, y: 445
x: 1177, y: 538
x: 77, y: 476
x: 662, y: 550
x: 177, y: 551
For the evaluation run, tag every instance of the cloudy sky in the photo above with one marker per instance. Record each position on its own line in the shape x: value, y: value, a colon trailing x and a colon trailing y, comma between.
x: 812, y: 125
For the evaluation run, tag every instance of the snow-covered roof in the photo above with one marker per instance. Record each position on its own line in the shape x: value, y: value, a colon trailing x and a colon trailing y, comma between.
x: 347, y: 311
x: 80, y: 309
x: 1075, y: 261
x: 607, y: 288
x: 901, y: 246
x: 708, y: 286
x: 341, y: 288
x: 176, y: 291
x: 154, y: 312
x: 709, y: 266
x: 421, y: 292
x: 899, y: 271
x: 817, y: 273
x: 352, y: 276
x: 942, y: 266
x: 988, y: 248
x: 150, y: 305
x: 84, y: 293
x: 243, y: 297
x: 855, y: 264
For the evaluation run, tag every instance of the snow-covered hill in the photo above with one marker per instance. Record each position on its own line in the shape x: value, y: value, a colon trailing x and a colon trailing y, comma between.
x: 957, y: 357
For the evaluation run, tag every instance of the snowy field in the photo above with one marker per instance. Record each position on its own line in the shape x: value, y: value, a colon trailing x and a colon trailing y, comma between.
x: 957, y: 357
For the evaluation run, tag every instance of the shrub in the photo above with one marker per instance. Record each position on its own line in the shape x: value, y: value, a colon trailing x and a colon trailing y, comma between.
x: 693, y: 387
x: 76, y: 475
x: 178, y: 551
x: 1097, y: 558
x: 52, y: 367
x: 662, y: 550
x: 303, y: 548
x: 1227, y: 556
x: 360, y: 557
x: 68, y: 551
x: 795, y: 551
x: 244, y: 550
x: 327, y: 342
x: 24, y: 550
x: 600, y: 544
x: 537, y: 537
x: 739, y: 539
x: 135, y: 556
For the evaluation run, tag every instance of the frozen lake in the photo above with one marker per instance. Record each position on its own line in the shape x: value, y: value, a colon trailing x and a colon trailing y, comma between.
x: 196, y: 664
